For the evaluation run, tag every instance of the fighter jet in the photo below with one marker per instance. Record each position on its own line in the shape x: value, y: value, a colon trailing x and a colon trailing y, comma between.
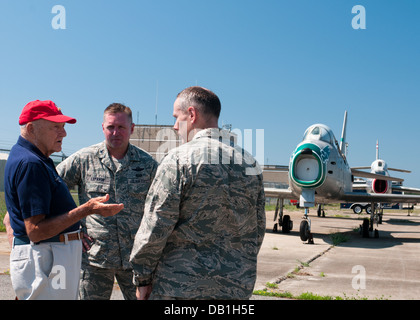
x: 381, y: 186
x: 319, y: 173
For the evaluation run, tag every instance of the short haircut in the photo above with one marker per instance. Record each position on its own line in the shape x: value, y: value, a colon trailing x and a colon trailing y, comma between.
x: 203, y: 99
x: 117, y: 108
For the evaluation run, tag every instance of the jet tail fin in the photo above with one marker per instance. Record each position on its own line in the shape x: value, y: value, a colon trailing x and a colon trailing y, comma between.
x: 393, y: 169
x: 343, y: 146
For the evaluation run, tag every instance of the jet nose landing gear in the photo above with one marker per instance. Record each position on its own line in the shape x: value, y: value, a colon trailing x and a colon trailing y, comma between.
x: 307, y: 200
x: 305, y: 229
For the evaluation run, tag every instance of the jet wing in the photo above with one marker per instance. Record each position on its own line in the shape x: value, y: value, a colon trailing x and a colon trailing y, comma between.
x: 406, y: 189
x: 279, y: 193
x: 393, y: 169
x: 359, y: 186
x: 358, y: 168
x: 399, y: 170
x: 364, y: 174
x: 381, y: 198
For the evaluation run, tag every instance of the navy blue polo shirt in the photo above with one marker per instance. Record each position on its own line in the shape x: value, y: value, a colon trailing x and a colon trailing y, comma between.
x: 33, y: 186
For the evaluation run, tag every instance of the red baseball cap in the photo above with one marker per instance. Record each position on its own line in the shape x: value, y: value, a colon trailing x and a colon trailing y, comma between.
x: 47, y: 110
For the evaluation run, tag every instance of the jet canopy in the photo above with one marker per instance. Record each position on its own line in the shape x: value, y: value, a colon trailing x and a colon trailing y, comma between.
x: 319, y: 132
x: 379, y: 167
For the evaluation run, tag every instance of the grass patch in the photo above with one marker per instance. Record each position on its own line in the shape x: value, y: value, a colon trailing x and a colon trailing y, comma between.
x: 288, y: 295
x: 267, y: 293
x: 3, y: 211
x: 338, y: 238
x: 271, y: 285
x: 310, y: 296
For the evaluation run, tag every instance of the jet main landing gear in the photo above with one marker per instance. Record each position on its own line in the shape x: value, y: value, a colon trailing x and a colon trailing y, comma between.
x: 375, y: 217
x: 284, y: 220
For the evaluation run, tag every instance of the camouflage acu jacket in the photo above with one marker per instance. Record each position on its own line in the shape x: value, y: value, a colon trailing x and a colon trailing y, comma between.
x: 204, y: 222
x: 95, y: 174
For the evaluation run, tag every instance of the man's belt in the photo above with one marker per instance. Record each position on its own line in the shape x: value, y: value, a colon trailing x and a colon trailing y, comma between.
x: 63, y: 237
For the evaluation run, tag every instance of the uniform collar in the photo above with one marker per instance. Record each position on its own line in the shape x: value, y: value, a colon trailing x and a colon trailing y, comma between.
x: 105, y: 157
x: 103, y: 151
x: 209, y: 133
x: 214, y: 133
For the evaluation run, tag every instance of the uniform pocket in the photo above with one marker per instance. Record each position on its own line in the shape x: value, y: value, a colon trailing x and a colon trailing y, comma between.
x: 138, y: 188
x: 97, y: 190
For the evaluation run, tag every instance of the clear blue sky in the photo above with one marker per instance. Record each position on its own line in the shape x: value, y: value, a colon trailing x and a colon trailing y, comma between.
x: 276, y: 65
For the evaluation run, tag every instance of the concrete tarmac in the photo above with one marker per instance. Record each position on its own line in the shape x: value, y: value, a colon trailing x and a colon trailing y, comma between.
x: 387, y: 267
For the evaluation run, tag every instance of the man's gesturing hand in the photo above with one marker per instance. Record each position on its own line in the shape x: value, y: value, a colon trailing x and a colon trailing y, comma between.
x: 98, y: 206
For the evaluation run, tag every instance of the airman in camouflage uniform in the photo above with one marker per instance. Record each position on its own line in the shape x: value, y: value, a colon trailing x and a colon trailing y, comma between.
x: 127, y: 181
x: 204, y: 219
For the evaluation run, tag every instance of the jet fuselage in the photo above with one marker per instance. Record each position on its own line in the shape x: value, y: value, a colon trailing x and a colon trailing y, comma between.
x: 317, y: 164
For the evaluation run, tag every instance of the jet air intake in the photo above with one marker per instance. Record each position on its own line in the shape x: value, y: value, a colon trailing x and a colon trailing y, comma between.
x: 379, y: 186
x: 307, y: 166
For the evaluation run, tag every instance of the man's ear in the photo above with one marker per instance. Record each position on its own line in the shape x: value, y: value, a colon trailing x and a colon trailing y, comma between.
x: 30, y: 128
x: 193, y: 114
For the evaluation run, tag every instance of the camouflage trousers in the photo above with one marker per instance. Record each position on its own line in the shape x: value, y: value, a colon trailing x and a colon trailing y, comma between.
x: 97, y: 283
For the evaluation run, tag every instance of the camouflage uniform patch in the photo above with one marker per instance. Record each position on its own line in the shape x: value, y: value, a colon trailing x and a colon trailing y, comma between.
x: 204, y: 222
x: 96, y: 174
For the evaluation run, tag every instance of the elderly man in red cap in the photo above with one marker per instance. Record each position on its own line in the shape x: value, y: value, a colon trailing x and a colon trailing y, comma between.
x: 46, y: 251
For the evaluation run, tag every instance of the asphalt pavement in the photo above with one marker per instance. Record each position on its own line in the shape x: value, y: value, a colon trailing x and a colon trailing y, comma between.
x: 387, y: 267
